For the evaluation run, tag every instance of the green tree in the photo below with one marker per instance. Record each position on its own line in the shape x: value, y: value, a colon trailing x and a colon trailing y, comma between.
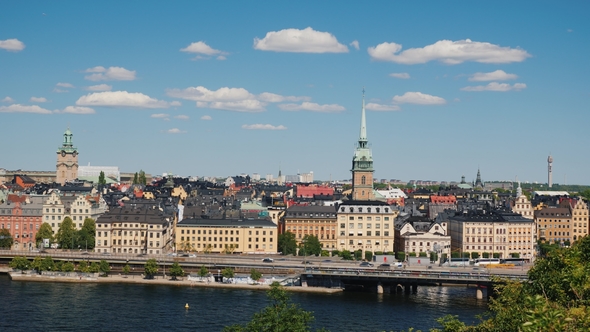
x: 227, y: 273
x: 6, y: 240
x: 281, y: 315
x: 136, y: 178
x: 83, y: 267
x: 104, y: 268
x: 94, y: 267
x: 142, y: 179
x: 44, y: 232
x: 86, y: 236
x: 310, y: 245
x: 368, y: 256
x: 401, y: 256
x: 36, y: 264
x: 358, y: 255
x: 287, y: 243
x: 255, y: 275
x: 47, y: 264
x: 474, y: 255
x: 346, y: 255
x: 101, y: 179
x: 126, y: 269
x: 68, y: 267
x: 422, y: 254
x: 66, y: 234
x: 203, y: 272
x: 176, y: 271
x: 19, y: 263
x: 325, y: 253
x: 150, y: 268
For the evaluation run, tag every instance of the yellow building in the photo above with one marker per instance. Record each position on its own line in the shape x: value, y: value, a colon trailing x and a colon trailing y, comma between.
x: 227, y: 236
x: 564, y: 224
x: 319, y: 221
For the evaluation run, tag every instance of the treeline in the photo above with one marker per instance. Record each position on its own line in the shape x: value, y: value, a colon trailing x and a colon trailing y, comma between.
x: 40, y: 264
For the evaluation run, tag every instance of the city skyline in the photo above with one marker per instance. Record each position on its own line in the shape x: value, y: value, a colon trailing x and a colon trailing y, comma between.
x: 220, y: 89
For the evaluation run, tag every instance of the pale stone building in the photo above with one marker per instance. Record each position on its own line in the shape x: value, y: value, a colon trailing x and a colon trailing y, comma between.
x: 417, y: 237
x: 67, y: 160
x: 319, y: 221
x: 78, y: 207
x: 564, y: 224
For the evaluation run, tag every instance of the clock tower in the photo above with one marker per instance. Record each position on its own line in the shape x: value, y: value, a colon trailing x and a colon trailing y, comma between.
x: 67, y: 160
x: 362, y: 164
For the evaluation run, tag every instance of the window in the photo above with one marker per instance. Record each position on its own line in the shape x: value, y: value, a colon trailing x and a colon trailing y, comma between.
x: 351, y: 225
x: 342, y: 225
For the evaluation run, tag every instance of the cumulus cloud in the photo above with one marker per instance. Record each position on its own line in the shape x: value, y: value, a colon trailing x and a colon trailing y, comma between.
x: 418, y: 98
x: 121, y: 99
x: 404, y: 76
x: 38, y: 99
x: 230, y: 99
x: 101, y: 73
x: 182, y: 117
x: 99, y: 87
x: 274, y: 98
x: 206, y: 117
x: 260, y: 126
x: 159, y: 115
x: 495, y: 86
x: 200, y: 48
x: 7, y: 99
x: 300, y: 41
x: 249, y: 105
x: 449, y: 52
x: 355, y: 44
x: 77, y: 110
x: 65, y: 85
x: 381, y: 107
x: 175, y: 131
x: 498, y: 75
x: 313, y: 107
x: 13, y: 45
x: 18, y: 108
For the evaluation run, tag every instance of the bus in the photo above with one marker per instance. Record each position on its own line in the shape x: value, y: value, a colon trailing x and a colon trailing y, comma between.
x: 486, y: 261
x: 515, y: 261
x: 458, y: 262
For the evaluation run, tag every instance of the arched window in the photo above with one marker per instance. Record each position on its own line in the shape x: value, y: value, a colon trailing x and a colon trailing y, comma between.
x: 363, y: 180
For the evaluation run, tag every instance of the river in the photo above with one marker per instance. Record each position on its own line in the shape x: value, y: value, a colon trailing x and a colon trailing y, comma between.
x: 41, y: 306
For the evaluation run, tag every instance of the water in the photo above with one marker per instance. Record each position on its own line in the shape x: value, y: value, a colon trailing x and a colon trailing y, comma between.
x: 29, y: 306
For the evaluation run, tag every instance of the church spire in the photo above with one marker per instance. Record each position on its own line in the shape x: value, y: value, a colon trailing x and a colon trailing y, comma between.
x: 363, y: 134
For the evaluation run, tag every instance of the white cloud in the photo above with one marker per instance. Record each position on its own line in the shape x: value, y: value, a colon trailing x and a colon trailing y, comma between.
x: 381, y: 107
x: 201, y: 93
x: 206, y: 117
x: 313, y: 107
x: 58, y: 90
x: 65, y: 85
x: 99, y: 87
x: 13, y: 45
x: 7, y: 99
x: 77, y: 110
x: 498, y: 75
x: 175, y: 131
x: 418, y: 98
x: 38, y: 99
x: 175, y: 103
x: 159, y: 115
x: 260, y: 126
x: 495, y: 86
x: 110, y: 74
x: 274, y: 98
x: 18, y: 108
x: 248, y: 105
x: 300, y: 41
x: 449, y: 52
x: 355, y: 44
x: 404, y: 76
x: 202, y: 48
x: 182, y: 117
x: 121, y: 99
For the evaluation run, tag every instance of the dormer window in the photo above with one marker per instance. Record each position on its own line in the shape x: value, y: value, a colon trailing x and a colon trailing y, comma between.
x: 342, y: 209
x: 378, y: 210
x: 351, y: 209
x: 360, y: 209
x: 386, y: 209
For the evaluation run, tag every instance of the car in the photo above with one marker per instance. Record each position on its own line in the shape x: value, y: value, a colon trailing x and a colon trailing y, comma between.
x: 267, y: 260
x: 192, y: 255
x: 85, y: 253
x: 172, y: 254
x: 306, y: 262
x: 366, y: 264
x: 384, y: 266
x: 106, y: 253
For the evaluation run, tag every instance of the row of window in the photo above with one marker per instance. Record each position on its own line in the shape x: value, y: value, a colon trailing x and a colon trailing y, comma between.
x: 360, y: 226
x: 16, y: 226
x: 367, y: 233
x: 73, y: 218
x: 311, y: 228
x: 134, y: 225
x: 367, y: 242
x: 59, y: 225
x: 59, y: 210
x: 360, y: 209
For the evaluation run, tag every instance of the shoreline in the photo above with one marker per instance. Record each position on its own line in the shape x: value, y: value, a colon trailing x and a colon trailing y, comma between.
x: 117, y: 279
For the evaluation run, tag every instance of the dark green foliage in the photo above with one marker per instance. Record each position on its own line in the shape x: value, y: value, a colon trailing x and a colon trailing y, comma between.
x: 101, y: 178
x: 44, y: 232
x: 66, y: 234
x: 346, y: 255
x: 310, y: 245
x: 20, y: 263
x: 255, y: 274
x: 422, y: 254
x: 176, y: 271
x: 287, y: 243
x: 104, y: 268
x: 6, y: 240
x: 150, y: 268
x: 368, y: 256
x: 401, y: 256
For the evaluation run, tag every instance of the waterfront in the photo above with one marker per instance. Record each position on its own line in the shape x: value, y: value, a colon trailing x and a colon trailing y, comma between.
x: 99, y: 307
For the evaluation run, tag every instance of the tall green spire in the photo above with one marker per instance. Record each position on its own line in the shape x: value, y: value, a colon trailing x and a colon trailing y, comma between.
x: 363, y: 159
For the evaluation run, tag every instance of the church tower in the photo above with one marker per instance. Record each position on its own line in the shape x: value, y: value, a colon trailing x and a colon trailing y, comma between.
x: 362, y: 164
x: 67, y: 160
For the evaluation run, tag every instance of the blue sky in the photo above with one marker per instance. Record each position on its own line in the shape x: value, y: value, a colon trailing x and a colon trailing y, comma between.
x: 222, y: 88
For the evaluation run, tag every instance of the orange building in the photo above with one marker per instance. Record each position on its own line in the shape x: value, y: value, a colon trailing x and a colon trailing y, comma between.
x: 22, y: 216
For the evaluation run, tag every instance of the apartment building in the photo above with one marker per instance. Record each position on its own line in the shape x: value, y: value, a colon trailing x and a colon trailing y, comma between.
x: 76, y: 206
x: 319, y: 221
x: 227, y: 236
x: 563, y: 224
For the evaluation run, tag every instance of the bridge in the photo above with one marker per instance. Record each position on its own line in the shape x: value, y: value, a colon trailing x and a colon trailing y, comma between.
x: 401, y: 280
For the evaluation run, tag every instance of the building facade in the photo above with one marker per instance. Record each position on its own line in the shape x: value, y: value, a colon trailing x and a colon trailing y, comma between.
x: 362, y: 164
x: 67, y: 160
x: 78, y: 207
x: 319, y: 221
x: 21, y: 215
x: 423, y: 237
x: 563, y: 225
x: 257, y: 236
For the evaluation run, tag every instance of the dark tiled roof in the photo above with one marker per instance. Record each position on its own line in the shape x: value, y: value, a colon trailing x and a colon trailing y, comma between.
x: 237, y: 223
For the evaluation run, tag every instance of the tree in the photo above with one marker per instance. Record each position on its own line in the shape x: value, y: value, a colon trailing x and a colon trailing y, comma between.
x: 94, y: 267
x: 310, y: 245
x: 176, y: 271
x: 255, y: 275
x: 474, y: 255
x: 68, y: 267
x: 47, y: 264
x: 281, y: 315
x: 44, y: 232
x: 150, y: 268
x: 287, y: 243
x: 126, y: 269
x: 19, y: 263
x: 86, y: 236
x: 346, y: 255
x: 401, y: 256
x: 203, y: 272
x: 227, y: 273
x: 36, y: 264
x: 66, y: 234
x: 358, y: 255
x: 101, y: 179
x: 104, y: 268
x: 229, y: 249
x: 142, y: 179
x: 368, y: 256
x: 422, y: 254
x: 83, y: 267
x: 6, y: 240
x: 136, y: 178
